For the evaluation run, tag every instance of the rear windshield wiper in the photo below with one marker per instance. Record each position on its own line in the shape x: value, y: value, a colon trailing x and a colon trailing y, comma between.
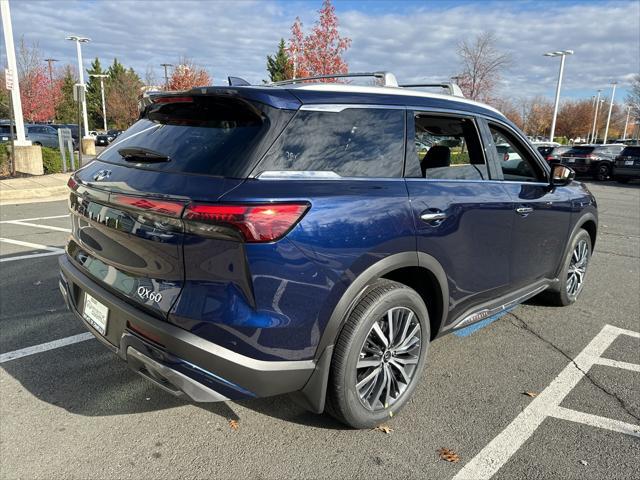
x: 140, y: 154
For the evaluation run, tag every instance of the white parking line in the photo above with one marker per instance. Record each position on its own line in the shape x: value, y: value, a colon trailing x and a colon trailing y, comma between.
x: 36, y: 225
x: 43, y: 347
x: 33, y: 219
x: 547, y: 404
x: 49, y: 250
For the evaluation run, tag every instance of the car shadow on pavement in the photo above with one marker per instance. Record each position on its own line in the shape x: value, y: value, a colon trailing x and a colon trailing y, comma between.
x: 87, y: 379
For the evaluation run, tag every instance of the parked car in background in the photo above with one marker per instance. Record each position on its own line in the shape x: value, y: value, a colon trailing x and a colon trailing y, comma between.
x: 284, y: 239
x: 43, y: 135
x: 552, y: 153
x: 593, y: 160
x: 5, y: 132
x: 104, y: 139
x: 74, y: 131
x: 507, y: 152
x: 627, y: 164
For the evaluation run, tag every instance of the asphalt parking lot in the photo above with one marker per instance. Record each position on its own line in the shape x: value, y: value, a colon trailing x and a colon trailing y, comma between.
x: 71, y: 409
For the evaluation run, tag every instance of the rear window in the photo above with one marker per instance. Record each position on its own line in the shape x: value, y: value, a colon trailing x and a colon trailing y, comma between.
x: 581, y: 150
x: 200, y: 134
x: 355, y: 142
x: 631, y: 151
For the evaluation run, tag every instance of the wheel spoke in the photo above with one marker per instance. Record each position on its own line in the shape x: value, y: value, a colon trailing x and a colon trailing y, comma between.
x: 405, y: 378
x: 371, y: 375
x: 390, y: 330
x: 380, y: 334
x: 369, y: 362
x: 411, y: 360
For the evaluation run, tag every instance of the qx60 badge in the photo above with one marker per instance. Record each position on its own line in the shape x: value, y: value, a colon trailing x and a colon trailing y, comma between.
x: 147, y: 294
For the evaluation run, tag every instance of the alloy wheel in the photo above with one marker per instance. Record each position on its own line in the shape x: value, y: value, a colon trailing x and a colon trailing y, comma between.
x: 388, y: 358
x: 577, y: 268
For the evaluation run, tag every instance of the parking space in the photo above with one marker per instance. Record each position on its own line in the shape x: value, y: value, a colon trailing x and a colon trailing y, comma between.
x: 540, y: 392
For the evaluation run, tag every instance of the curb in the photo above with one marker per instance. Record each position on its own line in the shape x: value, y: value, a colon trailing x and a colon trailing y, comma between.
x: 35, y: 194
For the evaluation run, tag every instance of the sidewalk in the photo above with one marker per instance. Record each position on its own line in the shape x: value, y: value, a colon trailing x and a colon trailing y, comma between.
x: 42, y: 188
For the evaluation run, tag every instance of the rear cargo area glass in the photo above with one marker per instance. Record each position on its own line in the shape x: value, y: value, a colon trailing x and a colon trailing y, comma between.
x: 200, y: 135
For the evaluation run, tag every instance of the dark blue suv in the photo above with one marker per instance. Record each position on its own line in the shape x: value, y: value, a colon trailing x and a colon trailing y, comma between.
x: 313, y: 239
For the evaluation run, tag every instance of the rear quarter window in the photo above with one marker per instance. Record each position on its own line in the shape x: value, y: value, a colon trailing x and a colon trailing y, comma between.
x: 631, y: 152
x: 355, y: 142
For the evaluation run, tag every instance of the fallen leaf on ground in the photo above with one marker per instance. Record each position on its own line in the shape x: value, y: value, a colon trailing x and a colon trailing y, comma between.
x: 384, y: 429
x: 234, y: 424
x: 530, y: 394
x: 448, y: 455
x: 37, y: 282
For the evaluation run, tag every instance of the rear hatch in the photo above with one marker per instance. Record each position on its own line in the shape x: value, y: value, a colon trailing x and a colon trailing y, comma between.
x: 578, y: 155
x: 629, y: 157
x: 133, y: 207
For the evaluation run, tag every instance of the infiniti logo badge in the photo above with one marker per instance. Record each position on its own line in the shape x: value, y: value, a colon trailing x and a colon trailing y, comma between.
x: 147, y: 294
x: 102, y: 175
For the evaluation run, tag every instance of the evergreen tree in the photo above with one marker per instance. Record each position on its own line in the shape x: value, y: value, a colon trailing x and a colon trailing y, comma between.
x: 279, y: 65
x: 67, y: 109
x: 123, y: 89
x: 94, y: 96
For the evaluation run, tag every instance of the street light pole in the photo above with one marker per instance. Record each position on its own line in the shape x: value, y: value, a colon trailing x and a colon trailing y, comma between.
x: 166, y: 76
x: 102, y: 76
x: 595, y: 118
x: 79, y: 40
x: 626, y: 124
x: 50, y: 62
x: 606, y: 130
x: 562, y: 54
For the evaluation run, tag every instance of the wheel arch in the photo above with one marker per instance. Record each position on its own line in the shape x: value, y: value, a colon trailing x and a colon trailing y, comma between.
x: 406, y: 268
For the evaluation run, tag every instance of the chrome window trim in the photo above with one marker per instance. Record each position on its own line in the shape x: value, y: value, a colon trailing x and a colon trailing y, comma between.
x: 340, y: 107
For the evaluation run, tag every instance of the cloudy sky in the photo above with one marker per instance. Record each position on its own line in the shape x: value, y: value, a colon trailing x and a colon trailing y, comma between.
x: 414, y: 39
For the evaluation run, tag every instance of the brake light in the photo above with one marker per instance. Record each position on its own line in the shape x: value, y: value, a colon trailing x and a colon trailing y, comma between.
x: 256, y: 223
x: 173, y: 100
x: 72, y: 184
x: 161, y: 207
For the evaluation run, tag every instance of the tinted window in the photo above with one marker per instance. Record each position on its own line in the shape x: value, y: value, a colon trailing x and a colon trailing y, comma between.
x: 580, y: 150
x: 446, y: 148
x: 356, y: 142
x: 204, y: 135
x: 515, y: 160
x: 631, y: 151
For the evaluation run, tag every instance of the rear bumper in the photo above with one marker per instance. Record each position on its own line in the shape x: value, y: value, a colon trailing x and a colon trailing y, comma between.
x: 176, y: 360
x: 626, y: 172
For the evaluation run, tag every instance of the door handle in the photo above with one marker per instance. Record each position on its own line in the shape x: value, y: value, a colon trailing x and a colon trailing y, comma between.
x: 430, y: 216
x: 524, y: 211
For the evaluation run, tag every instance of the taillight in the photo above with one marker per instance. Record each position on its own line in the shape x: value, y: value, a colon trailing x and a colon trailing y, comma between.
x: 256, y: 223
x: 161, y: 207
x: 72, y: 184
x: 173, y: 100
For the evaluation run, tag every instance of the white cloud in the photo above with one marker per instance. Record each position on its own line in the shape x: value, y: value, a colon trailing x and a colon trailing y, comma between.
x: 233, y: 38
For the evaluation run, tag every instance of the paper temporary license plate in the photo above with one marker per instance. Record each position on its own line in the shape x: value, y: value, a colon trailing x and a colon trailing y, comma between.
x: 95, y: 313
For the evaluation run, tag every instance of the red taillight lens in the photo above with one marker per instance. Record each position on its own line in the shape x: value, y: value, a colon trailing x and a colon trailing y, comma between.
x: 161, y: 207
x: 72, y: 184
x: 173, y: 100
x: 256, y: 223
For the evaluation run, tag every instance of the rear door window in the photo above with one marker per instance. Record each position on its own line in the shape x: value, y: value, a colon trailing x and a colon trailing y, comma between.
x: 631, y: 152
x: 447, y: 147
x: 200, y: 135
x: 353, y: 142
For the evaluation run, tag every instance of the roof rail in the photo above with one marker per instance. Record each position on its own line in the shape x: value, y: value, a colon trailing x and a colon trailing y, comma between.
x: 453, y: 88
x: 388, y: 79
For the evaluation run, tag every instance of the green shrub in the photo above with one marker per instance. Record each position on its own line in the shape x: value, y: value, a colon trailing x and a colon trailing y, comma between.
x: 4, y: 159
x: 52, y: 160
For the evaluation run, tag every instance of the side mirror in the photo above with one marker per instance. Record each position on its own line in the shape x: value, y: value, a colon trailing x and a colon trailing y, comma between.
x: 561, y: 175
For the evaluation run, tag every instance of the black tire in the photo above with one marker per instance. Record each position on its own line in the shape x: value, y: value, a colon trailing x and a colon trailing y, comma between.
x: 603, y: 172
x: 622, y: 179
x: 560, y: 294
x: 343, y: 400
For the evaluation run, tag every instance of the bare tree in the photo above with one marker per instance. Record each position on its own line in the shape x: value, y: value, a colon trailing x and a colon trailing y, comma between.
x: 633, y: 98
x: 482, y: 63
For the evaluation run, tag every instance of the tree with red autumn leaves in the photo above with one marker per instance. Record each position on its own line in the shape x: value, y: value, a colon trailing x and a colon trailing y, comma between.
x: 320, y: 52
x: 187, y: 75
x: 39, y: 95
